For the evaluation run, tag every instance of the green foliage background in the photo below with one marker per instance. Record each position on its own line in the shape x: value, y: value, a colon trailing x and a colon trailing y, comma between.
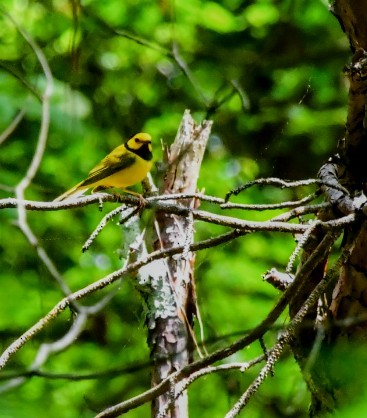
x: 269, y: 75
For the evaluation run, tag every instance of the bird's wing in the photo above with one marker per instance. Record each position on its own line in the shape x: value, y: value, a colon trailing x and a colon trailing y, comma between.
x: 117, y: 160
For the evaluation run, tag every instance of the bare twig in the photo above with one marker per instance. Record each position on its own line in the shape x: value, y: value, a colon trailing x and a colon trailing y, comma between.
x: 300, y: 244
x: 12, y: 126
x: 87, y: 11
x: 130, y: 213
x: 301, y: 211
x: 186, y: 70
x: 277, y: 182
x: 250, y: 226
x: 243, y: 95
x: 242, y: 367
x: 45, y: 121
x: 272, y: 206
x: 77, y: 376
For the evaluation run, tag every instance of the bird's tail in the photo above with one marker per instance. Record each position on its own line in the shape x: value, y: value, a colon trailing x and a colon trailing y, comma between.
x: 75, y: 191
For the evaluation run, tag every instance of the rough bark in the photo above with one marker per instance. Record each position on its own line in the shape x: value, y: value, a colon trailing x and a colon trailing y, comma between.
x: 170, y: 337
x: 340, y: 319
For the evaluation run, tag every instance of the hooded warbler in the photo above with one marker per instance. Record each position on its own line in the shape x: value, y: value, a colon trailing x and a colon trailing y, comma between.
x: 125, y: 166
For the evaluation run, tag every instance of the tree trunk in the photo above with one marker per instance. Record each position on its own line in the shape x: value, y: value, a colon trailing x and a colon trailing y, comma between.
x: 331, y: 354
x: 172, y: 301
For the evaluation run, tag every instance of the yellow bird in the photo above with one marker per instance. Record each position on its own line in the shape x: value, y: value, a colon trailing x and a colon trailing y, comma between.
x: 125, y: 166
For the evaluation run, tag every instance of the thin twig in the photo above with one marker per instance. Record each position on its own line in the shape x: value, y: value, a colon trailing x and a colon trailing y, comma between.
x: 186, y: 70
x: 45, y: 120
x: 111, y: 373
x: 251, y: 226
x: 272, y: 206
x: 12, y: 126
x: 184, y: 384
x: 242, y: 94
x: 86, y: 11
x: 18, y: 75
x: 277, y: 182
x: 301, y: 211
x: 300, y: 244
x: 106, y: 219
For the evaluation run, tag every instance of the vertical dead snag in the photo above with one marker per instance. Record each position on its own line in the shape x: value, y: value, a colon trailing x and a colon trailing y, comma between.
x: 173, y: 303
x: 342, y: 318
x: 348, y: 300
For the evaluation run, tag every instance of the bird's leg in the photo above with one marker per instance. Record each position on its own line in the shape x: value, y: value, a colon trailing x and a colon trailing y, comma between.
x: 142, y: 201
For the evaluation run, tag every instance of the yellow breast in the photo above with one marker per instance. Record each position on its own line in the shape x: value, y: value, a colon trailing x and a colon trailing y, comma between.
x: 127, y: 176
